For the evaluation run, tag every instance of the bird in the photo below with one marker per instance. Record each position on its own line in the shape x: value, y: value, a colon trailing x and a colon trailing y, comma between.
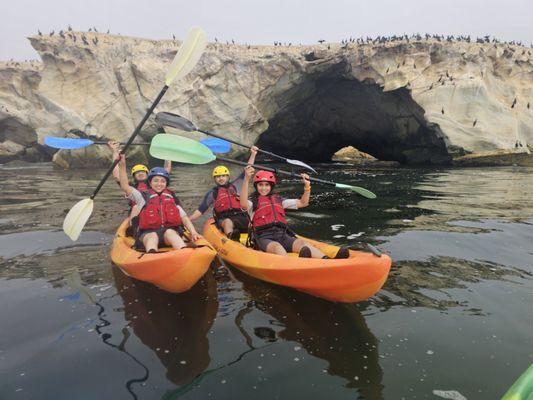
x: 94, y: 29
x: 514, y: 103
x: 90, y: 29
x: 69, y: 28
x: 474, y: 123
x: 52, y: 33
x: 173, y: 36
x: 321, y: 41
x: 442, y: 110
x: 232, y: 41
x: 414, y: 65
x: 107, y: 32
x: 528, y: 106
x: 39, y: 32
x: 216, y: 40
x: 430, y: 87
x: 387, y: 71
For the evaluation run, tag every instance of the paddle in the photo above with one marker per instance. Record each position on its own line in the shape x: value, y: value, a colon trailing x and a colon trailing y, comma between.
x: 179, y: 122
x: 216, y: 145
x: 186, y: 58
x: 185, y: 150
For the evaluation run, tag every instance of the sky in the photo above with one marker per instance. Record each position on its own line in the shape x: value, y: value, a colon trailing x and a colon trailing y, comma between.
x: 263, y: 21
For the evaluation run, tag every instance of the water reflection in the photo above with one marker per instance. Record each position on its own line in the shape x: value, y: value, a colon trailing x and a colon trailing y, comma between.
x: 336, y: 333
x: 174, y: 326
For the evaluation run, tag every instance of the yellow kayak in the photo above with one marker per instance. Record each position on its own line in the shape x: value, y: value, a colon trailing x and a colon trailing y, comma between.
x: 345, y: 280
x: 172, y: 270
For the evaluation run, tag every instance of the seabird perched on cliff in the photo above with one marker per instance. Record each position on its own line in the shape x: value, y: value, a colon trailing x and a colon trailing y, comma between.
x: 474, y: 123
x: 39, y: 32
x: 107, y: 32
x: 321, y: 41
x: 173, y: 37
x: 52, y: 33
x: 69, y: 28
x: 94, y: 29
x: 90, y: 29
x: 216, y: 40
x: 62, y: 34
x: 442, y: 110
x: 514, y: 103
x: 430, y: 87
x: 95, y: 41
x: 528, y: 105
x: 232, y: 41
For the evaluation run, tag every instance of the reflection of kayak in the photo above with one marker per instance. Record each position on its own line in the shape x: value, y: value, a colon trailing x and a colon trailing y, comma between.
x: 174, y: 326
x: 172, y: 270
x: 522, y: 388
x: 347, y: 280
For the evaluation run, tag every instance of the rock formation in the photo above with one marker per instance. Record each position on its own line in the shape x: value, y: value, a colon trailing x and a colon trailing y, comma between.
x: 417, y: 102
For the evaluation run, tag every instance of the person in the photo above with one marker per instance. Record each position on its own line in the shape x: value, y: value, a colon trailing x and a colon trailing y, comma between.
x: 161, y: 218
x: 229, y: 217
x: 269, y: 225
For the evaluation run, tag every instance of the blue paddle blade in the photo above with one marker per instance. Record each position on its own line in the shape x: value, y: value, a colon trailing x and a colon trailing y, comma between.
x: 66, y: 143
x: 217, y: 145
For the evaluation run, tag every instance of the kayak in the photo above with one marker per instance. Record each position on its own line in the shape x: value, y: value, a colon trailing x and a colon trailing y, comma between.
x: 172, y: 270
x: 522, y: 389
x: 345, y: 280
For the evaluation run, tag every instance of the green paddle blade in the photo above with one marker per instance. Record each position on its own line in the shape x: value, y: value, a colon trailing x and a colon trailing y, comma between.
x: 77, y: 218
x: 362, y: 191
x: 180, y: 149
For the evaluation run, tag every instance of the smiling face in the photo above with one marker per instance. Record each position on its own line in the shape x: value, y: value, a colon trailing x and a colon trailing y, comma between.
x: 140, y: 176
x: 158, y: 183
x: 221, y: 179
x: 263, y: 188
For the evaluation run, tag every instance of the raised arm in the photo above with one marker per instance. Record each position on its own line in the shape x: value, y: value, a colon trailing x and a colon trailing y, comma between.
x: 114, y: 145
x: 253, y: 153
x: 304, y: 200
x: 168, y: 166
x: 123, y: 176
x: 248, y: 173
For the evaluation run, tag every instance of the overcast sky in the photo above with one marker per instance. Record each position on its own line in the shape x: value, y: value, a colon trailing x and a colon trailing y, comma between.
x: 263, y: 22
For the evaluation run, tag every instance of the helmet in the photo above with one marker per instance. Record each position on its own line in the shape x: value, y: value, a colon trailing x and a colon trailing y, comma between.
x: 220, y: 170
x: 139, y: 167
x: 158, y: 171
x: 264, y: 176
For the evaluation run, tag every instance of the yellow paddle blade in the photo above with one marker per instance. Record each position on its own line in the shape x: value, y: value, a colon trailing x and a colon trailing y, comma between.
x: 188, y: 55
x: 77, y: 218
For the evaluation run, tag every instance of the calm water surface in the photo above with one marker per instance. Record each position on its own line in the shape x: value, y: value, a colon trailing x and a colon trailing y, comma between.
x: 455, y: 314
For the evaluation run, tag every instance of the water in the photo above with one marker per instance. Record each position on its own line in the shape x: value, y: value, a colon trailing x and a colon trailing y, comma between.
x: 454, y: 315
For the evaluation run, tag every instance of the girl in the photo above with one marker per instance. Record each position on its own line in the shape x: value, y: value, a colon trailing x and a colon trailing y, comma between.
x: 269, y: 225
x: 161, y: 218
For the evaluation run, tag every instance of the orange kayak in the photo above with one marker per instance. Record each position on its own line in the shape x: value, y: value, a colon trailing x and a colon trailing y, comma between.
x: 172, y: 270
x: 346, y: 280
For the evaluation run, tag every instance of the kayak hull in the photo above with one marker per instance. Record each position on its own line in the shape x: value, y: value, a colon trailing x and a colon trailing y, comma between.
x: 346, y: 280
x: 172, y: 270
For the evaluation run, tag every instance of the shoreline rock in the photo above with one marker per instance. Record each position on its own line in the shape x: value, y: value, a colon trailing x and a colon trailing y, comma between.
x: 416, y: 102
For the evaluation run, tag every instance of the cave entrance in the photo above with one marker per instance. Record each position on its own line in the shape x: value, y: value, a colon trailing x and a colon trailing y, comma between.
x: 328, y: 113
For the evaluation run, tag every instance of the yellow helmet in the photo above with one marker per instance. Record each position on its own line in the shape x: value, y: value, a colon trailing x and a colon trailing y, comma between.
x: 139, y: 167
x: 220, y: 170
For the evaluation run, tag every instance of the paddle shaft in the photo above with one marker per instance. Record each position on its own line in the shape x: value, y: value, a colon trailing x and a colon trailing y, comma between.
x: 241, y: 144
x: 132, y: 144
x: 275, y: 170
x: 131, y: 139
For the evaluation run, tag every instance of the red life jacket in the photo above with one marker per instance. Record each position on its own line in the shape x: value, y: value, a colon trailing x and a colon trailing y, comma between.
x: 160, y: 211
x: 226, y: 199
x: 141, y: 186
x: 268, y: 212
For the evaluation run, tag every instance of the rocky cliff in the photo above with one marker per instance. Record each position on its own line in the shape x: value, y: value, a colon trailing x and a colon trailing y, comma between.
x: 417, y: 101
